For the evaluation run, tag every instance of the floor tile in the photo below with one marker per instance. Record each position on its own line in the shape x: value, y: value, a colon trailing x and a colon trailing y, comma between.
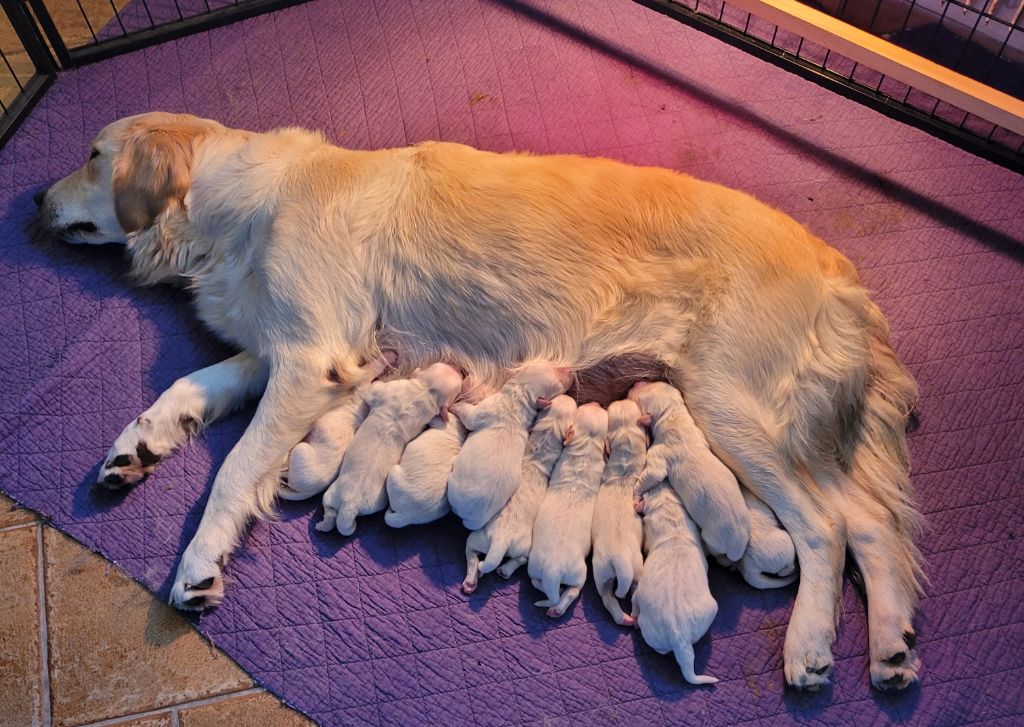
x: 114, y: 649
x: 157, y: 720
x: 21, y: 697
x: 12, y: 514
x: 257, y: 709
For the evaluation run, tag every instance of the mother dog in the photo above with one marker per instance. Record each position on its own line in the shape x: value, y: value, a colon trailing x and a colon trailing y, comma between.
x: 305, y: 255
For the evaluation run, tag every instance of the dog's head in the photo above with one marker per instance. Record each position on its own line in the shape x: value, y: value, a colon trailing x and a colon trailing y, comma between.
x: 137, y: 168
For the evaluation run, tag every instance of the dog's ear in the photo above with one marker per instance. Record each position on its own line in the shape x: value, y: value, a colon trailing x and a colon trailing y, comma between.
x: 153, y: 169
x: 570, y: 434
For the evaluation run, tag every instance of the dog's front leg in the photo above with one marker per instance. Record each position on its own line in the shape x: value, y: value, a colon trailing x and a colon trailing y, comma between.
x: 297, y: 393
x: 191, y: 403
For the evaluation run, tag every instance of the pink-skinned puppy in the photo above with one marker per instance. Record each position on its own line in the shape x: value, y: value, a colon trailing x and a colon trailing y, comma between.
x: 399, y: 410
x: 489, y: 466
x: 418, y: 485
x: 561, y: 533
x: 617, y: 530
x: 680, y: 453
x: 672, y: 603
x: 509, y: 534
x: 314, y: 462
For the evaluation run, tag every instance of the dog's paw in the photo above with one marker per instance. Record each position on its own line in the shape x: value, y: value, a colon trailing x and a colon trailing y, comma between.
x: 896, y: 664
x: 140, y: 447
x: 807, y: 658
x: 198, y: 585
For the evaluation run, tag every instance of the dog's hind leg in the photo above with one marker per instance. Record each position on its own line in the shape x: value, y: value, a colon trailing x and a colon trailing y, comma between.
x: 191, y: 403
x: 611, y: 603
x: 510, y: 566
x: 564, y: 601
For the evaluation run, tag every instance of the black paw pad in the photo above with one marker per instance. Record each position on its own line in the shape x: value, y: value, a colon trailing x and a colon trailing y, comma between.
x: 202, y: 586
x: 146, y: 457
x: 896, y: 680
x: 121, y: 460
x: 195, y: 601
x: 113, y: 480
x: 818, y: 670
x: 189, y: 425
x: 896, y: 659
x: 910, y: 639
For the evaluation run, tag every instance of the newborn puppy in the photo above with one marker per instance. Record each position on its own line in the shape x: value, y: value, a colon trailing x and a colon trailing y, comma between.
x: 399, y: 410
x: 561, y: 534
x: 418, y: 485
x: 313, y: 463
x: 672, y: 604
x: 681, y: 454
x: 488, y: 468
x: 770, y: 558
x: 617, y: 530
x: 510, y: 532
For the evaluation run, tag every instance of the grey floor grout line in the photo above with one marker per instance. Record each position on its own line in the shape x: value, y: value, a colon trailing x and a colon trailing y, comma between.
x: 44, y: 634
x: 175, y: 708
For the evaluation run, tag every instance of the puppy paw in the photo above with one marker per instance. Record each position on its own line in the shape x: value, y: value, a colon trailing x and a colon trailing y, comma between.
x: 554, y: 612
x: 627, y: 621
x: 138, y: 450
x: 469, y: 587
x: 895, y: 663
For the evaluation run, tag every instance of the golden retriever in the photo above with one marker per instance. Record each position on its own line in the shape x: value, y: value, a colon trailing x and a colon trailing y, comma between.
x: 306, y: 255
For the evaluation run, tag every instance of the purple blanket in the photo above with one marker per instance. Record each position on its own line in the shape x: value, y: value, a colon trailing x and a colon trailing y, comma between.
x: 373, y: 629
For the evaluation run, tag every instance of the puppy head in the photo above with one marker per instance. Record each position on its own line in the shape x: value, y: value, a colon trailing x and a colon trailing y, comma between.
x: 137, y: 167
x: 624, y: 429
x: 590, y: 424
x: 556, y: 419
x: 542, y: 380
x: 444, y: 382
x: 654, y: 398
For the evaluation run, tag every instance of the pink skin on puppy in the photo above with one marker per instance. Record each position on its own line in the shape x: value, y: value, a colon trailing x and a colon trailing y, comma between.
x: 509, y: 534
x: 561, y: 534
x: 399, y: 410
x: 672, y: 604
x: 680, y: 454
x: 489, y: 466
x: 617, y: 531
x: 418, y: 485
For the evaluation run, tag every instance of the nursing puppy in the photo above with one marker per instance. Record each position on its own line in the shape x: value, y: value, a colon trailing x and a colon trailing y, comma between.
x: 399, y: 410
x: 489, y: 466
x: 561, y: 534
x: 314, y: 462
x: 681, y: 455
x: 770, y: 558
x: 510, y: 532
x: 617, y: 531
x: 672, y: 604
x: 417, y: 486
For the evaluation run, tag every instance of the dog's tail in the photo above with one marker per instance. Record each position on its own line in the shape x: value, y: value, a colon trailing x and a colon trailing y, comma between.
x: 495, y: 554
x: 624, y: 575
x: 684, y: 657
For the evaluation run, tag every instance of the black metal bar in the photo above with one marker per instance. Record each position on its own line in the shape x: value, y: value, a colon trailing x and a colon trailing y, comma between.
x: 145, y: 6
x: 906, y: 19
x: 842, y: 85
x: 25, y: 28
x: 874, y: 16
x: 117, y: 15
x: 49, y: 29
x: 176, y: 29
x: 85, y: 17
x: 967, y: 43
x: 24, y: 103
x: 9, y: 68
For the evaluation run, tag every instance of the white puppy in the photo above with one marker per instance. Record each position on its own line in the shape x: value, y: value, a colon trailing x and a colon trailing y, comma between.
x: 617, y: 531
x: 681, y: 454
x: 418, y: 485
x: 672, y: 604
x: 561, y: 534
x: 510, y: 532
x: 770, y: 558
x: 489, y: 466
x: 314, y: 462
x: 399, y: 410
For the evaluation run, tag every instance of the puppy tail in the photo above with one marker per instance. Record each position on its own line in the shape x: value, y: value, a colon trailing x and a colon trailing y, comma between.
x: 684, y: 657
x: 623, y: 575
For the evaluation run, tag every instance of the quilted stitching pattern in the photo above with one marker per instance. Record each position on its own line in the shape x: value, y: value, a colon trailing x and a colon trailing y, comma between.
x: 374, y: 629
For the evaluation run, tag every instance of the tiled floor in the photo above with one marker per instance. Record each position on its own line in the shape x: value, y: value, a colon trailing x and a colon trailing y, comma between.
x: 82, y: 644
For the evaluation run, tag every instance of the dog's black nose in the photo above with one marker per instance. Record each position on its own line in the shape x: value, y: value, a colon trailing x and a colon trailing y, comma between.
x: 40, y: 196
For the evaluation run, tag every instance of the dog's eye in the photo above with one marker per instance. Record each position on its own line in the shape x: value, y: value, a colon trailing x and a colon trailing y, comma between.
x: 93, y: 154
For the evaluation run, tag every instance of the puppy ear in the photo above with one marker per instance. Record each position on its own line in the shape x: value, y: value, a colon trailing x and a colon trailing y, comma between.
x: 543, y: 403
x: 570, y: 434
x: 153, y: 169
x: 645, y: 421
